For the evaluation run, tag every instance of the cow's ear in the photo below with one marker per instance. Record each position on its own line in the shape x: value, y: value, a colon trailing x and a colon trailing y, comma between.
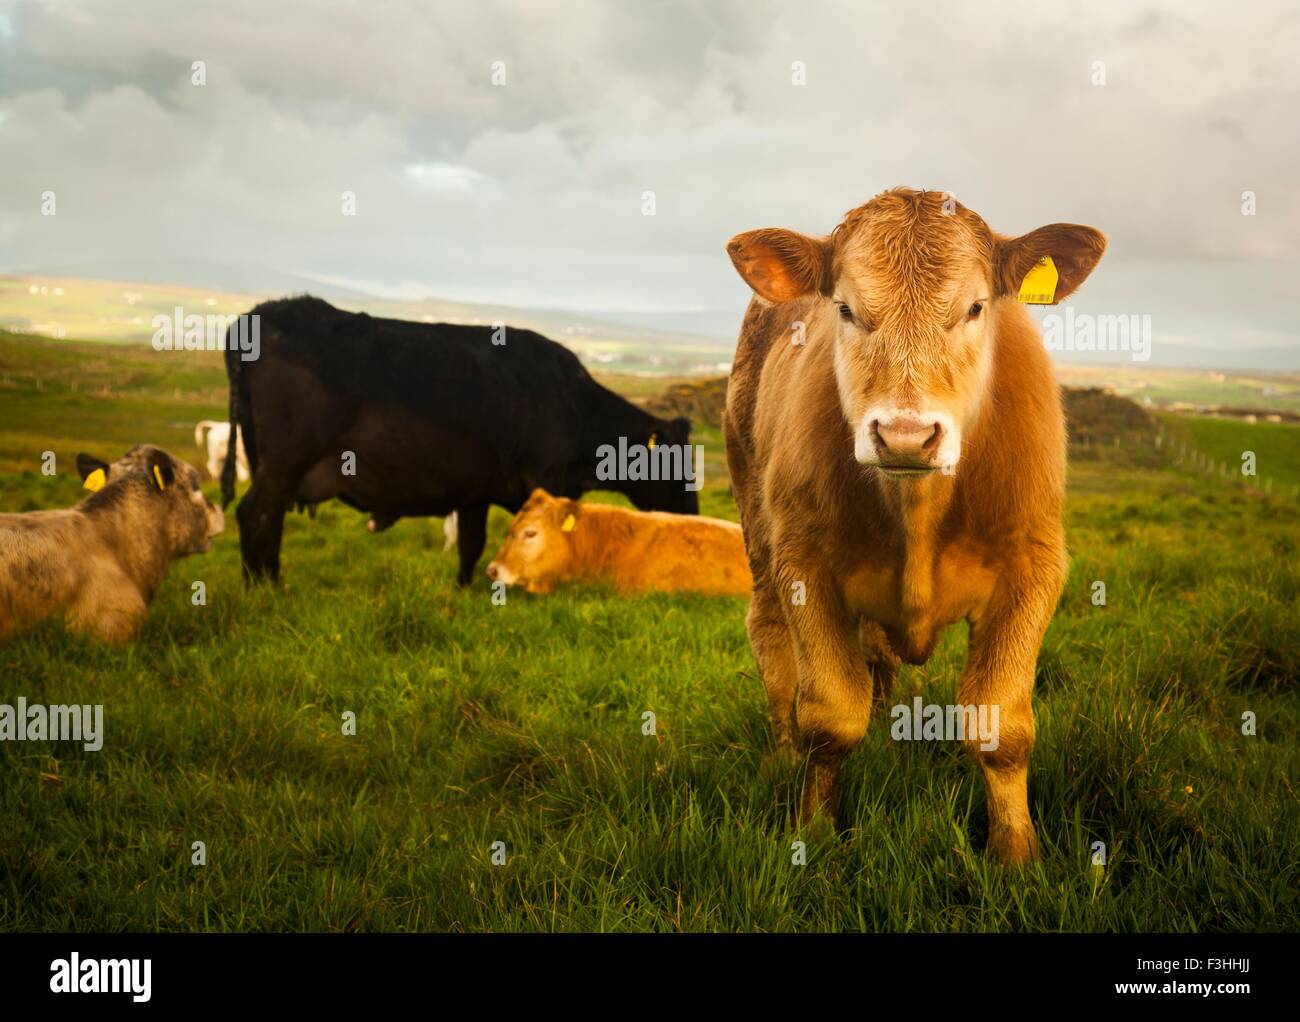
x: 538, y: 496
x: 1073, y: 248
x: 93, y: 472
x: 782, y: 265
x: 567, y: 513
x: 161, y: 468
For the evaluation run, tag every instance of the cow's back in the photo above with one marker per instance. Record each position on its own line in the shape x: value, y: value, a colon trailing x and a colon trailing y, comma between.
x: 437, y: 415
x: 39, y: 569
x: 683, y: 553
x: 364, y: 357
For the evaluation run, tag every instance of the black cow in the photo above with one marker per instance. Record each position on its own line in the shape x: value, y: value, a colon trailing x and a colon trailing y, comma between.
x: 436, y: 417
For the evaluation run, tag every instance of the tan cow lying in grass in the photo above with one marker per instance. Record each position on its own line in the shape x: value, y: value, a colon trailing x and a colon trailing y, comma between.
x: 553, y: 541
x: 98, y: 564
x: 896, y: 445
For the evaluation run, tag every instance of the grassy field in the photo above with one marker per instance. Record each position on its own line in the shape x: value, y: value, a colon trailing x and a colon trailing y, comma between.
x: 522, y: 724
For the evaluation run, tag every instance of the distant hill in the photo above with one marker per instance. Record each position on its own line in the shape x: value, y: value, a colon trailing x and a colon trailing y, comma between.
x: 1186, y: 356
x: 115, y: 310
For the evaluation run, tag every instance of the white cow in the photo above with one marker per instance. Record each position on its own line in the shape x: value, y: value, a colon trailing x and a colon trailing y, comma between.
x: 217, y: 442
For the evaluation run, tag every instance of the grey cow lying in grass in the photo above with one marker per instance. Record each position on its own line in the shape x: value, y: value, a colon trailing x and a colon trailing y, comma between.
x: 98, y: 564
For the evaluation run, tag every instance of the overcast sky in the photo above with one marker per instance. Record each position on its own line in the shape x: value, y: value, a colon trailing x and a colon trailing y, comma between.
x: 531, y: 192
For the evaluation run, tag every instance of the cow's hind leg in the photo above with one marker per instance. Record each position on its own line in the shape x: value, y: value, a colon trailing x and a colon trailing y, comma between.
x: 471, y: 537
x: 261, y: 526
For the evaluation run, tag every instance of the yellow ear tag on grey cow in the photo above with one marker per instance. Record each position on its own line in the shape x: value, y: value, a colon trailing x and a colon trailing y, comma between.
x: 1039, y: 285
x: 157, y: 474
x: 95, y: 481
x: 568, y: 524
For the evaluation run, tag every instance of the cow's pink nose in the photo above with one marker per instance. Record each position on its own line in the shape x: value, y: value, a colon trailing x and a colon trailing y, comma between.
x: 906, y: 436
x: 493, y: 571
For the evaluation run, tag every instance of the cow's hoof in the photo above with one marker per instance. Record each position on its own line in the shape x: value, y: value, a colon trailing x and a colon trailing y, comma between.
x: 1013, y: 847
x: 818, y: 826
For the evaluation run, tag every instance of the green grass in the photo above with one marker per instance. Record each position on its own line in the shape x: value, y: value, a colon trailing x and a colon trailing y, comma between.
x: 522, y: 723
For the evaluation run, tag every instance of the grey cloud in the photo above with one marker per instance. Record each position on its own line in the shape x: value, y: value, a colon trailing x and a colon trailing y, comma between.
x: 533, y: 191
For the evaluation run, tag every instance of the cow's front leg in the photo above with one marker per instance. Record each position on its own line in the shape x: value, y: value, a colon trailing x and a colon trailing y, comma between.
x: 470, y: 540
x: 833, y: 692
x: 881, y: 661
x: 769, y: 636
x: 999, y: 679
x: 111, y: 609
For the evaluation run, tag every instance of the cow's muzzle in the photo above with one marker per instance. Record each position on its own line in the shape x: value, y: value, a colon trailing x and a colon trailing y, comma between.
x: 902, y: 442
x: 498, y: 572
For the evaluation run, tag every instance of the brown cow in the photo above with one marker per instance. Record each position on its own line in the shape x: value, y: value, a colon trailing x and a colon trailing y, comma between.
x: 553, y: 540
x: 98, y: 564
x: 896, y: 445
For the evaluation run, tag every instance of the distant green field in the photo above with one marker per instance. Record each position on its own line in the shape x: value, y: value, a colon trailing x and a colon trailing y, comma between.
x: 1239, y: 390
x: 1276, y: 445
x: 102, y: 310
x: 1243, y: 388
x: 523, y: 724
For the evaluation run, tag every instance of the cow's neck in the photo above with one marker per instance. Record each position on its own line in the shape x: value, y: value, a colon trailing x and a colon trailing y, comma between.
x: 606, y: 418
x: 137, y: 550
x: 919, y: 506
x: 598, y: 538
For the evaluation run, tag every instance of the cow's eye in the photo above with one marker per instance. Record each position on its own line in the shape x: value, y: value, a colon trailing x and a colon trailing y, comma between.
x: 975, y: 310
x: 529, y: 533
x: 846, y: 313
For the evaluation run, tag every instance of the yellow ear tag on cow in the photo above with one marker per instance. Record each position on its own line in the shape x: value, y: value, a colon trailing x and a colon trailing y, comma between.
x: 1039, y: 285
x: 651, y: 444
x: 95, y: 481
x: 157, y: 474
x: 569, y: 524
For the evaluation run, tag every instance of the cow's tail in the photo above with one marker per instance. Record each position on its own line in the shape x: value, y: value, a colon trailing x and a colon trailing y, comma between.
x: 199, y: 429
x: 234, y: 373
